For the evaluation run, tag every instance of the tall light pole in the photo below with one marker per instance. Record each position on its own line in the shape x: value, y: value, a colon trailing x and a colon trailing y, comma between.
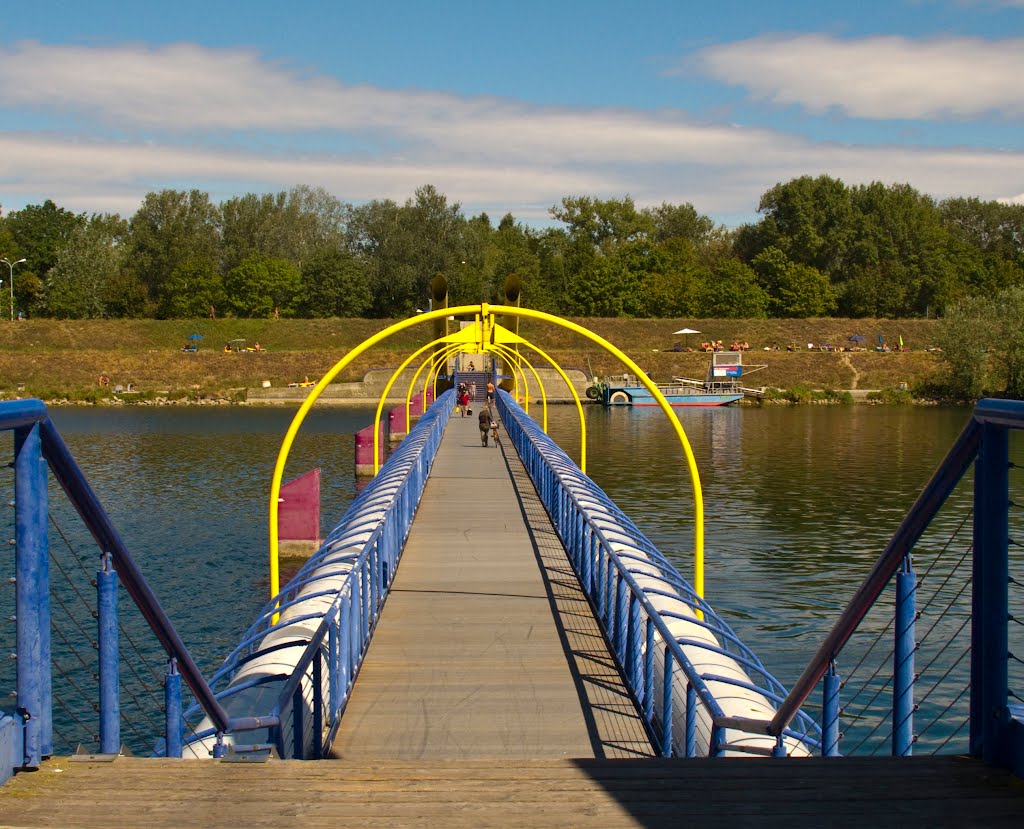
x: 10, y: 267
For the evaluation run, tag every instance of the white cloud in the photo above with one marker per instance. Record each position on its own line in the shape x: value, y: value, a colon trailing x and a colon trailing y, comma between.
x: 877, y: 77
x: 487, y: 153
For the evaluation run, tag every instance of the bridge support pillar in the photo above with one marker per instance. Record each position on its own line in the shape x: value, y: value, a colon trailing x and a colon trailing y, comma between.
x: 830, y: 712
x: 106, y: 624
x: 990, y: 602
x: 903, y: 661
x: 32, y: 592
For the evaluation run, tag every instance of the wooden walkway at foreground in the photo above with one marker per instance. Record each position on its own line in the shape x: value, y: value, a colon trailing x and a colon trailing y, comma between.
x: 518, y: 794
x: 488, y: 698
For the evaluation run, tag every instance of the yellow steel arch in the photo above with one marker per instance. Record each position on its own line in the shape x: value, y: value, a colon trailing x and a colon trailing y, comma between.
x: 436, y: 357
x: 384, y: 394
x: 508, y: 352
x: 485, y: 310
x: 575, y: 397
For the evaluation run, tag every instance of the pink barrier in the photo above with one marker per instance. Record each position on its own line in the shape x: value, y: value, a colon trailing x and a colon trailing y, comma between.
x: 364, y: 449
x: 298, y: 513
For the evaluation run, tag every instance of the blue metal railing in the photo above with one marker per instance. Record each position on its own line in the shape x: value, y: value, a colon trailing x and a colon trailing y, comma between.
x: 680, y: 659
x: 297, y: 673
x: 37, y: 445
x: 996, y: 724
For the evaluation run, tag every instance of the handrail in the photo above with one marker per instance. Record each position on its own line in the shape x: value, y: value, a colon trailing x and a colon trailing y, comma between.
x: 17, y: 414
x: 952, y: 468
x: 574, y: 489
x: 371, y: 531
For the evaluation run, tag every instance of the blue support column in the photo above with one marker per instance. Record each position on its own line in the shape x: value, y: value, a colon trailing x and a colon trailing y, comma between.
x: 649, y: 672
x: 989, y: 643
x: 666, y: 707
x: 318, y: 708
x: 830, y: 712
x: 334, y: 661
x: 172, y: 709
x: 903, y: 661
x: 32, y: 595
x: 106, y: 623
x: 691, y: 720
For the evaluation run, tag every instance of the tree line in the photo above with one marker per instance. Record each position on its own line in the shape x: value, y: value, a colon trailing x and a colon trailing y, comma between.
x: 818, y: 248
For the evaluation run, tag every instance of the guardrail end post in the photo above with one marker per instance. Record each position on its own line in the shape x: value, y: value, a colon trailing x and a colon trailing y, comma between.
x: 172, y: 709
x: 109, y: 658
x: 830, y: 712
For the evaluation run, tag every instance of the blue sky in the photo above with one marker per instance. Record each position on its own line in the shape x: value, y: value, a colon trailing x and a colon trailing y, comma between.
x: 508, y: 107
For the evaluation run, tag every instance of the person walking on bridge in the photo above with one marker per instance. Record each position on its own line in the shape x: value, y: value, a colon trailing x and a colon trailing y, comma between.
x: 490, y: 392
x: 484, y: 419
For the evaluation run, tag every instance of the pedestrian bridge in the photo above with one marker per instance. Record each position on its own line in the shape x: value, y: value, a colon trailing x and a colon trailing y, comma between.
x: 486, y: 638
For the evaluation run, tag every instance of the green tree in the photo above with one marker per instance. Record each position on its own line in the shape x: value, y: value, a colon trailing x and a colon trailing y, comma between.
x: 88, y: 269
x: 39, y: 232
x: 982, y: 345
x: 679, y: 221
x: 260, y: 284
x: 673, y: 284
x: 603, y: 221
x: 731, y: 291
x: 192, y: 289
x: 334, y: 284
x: 293, y: 225
x: 170, y: 228
x: 811, y: 220
x: 793, y: 290
x: 405, y: 247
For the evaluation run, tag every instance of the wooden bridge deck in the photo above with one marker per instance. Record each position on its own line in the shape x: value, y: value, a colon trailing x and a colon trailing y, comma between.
x: 464, y: 794
x: 487, y: 646
x: 489, y: 699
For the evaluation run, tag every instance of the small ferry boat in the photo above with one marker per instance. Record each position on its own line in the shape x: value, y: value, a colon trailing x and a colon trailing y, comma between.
x: 721, y: 387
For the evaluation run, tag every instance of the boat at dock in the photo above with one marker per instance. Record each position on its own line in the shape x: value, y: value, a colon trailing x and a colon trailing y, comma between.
x: 722, y: 386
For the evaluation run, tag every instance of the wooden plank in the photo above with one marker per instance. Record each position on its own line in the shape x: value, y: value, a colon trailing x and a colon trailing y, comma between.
x: 878, y: 792
x: 468, y: 659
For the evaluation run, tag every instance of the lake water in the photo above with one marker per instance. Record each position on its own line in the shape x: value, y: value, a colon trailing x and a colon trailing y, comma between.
x: 799, y: 501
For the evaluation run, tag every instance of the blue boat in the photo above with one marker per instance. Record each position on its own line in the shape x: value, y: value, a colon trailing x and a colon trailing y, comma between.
x: 721, y: 387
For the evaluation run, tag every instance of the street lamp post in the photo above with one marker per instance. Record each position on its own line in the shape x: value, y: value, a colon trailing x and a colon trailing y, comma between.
x: 10, y: 267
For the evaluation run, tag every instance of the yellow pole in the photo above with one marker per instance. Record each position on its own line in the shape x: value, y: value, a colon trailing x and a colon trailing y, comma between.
x: 576, y: 400
x: 307, y: 404
x: 515, y: 377
x: 645, y: 381
x: 383, y: 397
x: 508, y: 352
x: 484, y: 310
x: 436, y: 357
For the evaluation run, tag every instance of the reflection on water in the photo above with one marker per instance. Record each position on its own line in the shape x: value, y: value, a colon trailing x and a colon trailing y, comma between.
x: 187, y: 489
x: 799, y: 501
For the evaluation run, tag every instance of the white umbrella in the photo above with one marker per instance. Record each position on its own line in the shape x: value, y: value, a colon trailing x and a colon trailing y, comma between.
x: 686, y: 332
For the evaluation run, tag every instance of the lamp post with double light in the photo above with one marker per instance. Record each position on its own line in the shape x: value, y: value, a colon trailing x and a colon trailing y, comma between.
x: 10, y: 267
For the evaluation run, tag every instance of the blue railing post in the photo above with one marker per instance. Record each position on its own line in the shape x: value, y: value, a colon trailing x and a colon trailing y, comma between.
x: 106, y: 623
x: 666, y: 707
x: 318, y: 708
x: 830, y: 712
x: 32, y: 595
x: 903, y: 661
x: 649, y: 672
x: 691, y: 720
x: 990, y: 602
x: 172, y: 709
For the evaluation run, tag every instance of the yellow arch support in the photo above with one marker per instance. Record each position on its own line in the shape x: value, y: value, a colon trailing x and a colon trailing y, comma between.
x: 485, y: 310
x: 663, y: 404
x: 507, y: 352
x: 576, y: 400
x: 384, y: 394
x: 437, y: 357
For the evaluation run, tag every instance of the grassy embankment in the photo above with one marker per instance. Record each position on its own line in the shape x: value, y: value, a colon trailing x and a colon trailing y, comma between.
x: 56, y: 359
